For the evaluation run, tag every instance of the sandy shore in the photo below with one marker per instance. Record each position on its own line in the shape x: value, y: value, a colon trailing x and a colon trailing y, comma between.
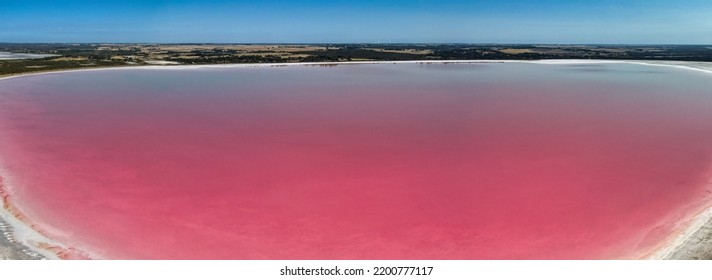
x: 11, y: 249
x: 18, y: 240
x: 695, y: 243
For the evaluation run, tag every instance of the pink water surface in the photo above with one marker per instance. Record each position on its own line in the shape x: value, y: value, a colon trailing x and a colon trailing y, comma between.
x: 417, y: 161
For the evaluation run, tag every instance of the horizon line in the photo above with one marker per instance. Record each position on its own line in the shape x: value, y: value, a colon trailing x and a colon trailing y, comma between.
x: 358, y: 43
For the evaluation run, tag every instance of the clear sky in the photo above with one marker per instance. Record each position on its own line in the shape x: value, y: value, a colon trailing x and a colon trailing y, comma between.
x: 341, y: 21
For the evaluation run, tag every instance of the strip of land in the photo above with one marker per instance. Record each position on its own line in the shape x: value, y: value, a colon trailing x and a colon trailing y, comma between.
x: 10, y: 248
x: 695, y: 243
x: 78, y: 56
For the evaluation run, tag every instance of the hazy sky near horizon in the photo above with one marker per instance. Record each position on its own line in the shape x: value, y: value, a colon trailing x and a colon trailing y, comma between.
x: 370, y: 21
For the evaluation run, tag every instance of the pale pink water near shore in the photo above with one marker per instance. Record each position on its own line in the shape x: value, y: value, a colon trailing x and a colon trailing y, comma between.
x: 414, y: 161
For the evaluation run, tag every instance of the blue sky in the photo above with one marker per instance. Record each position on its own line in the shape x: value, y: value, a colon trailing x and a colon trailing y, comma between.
x: 336, y: 21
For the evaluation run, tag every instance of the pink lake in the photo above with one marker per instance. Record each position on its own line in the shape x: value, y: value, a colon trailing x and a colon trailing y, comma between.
x: 407, y: 161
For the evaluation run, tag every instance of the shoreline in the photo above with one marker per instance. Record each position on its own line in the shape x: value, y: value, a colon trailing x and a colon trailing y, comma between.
x: 705, y: 67
x: 694, y: 243
x: 21, y: 239
x: 19, y: 235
